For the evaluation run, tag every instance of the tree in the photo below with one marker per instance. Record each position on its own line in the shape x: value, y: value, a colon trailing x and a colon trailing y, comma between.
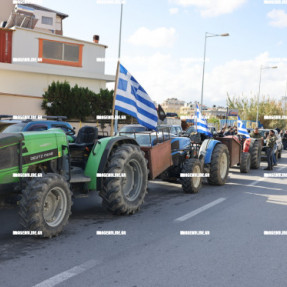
x: 247, y: 109
x: 76, y: 103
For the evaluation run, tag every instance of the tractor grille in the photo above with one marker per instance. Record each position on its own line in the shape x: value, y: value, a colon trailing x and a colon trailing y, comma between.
x: 8, y: 157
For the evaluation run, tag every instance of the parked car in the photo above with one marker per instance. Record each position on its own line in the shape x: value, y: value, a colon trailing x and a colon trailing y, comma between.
x: 10, y: 125
x: 132, y: 129
x: 174, y: 130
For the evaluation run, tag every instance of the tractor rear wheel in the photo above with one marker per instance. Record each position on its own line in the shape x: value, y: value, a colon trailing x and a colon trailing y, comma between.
x: 245, y: 162
x: 256, y: 155
x: 191, y: 184
x: 125, y: 195
x: 219, y: 165
x: 46, y: 205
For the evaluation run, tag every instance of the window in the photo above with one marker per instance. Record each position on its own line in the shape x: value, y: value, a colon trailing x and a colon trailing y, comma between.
x: 47, y: 20
x: 60, y: 53
x: 37, y: 128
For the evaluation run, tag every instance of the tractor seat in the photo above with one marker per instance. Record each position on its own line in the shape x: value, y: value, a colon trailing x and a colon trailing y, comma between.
x: 84, y: 142
x: 86, y: 137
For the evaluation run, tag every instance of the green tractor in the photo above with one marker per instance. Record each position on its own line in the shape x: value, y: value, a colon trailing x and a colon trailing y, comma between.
x: 114, y: 166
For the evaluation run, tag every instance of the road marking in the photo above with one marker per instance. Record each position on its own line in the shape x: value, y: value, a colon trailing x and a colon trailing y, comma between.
x: 165, y: 183
x: 199, y: 210
x: 61, y: 277
x: 253, y: 183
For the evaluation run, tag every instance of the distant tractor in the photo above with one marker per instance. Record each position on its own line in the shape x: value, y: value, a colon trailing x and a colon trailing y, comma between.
x: 254, y: 147
x: 243, y: 153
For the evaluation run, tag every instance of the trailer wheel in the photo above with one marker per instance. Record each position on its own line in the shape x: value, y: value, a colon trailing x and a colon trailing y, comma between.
x: 46, y: 205
x: 219, y: 165
x: 256, y: 155
x: 125, y: 195
x: 191, y: 184
x: 245, y: 162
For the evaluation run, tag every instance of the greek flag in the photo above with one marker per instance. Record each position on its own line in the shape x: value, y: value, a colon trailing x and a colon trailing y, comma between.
x: 133, y: 100
x: 201, y: 123
x: 241, y: 129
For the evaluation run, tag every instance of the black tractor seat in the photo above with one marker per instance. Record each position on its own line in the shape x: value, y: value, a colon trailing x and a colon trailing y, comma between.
x: 84, y: 142
x: 86, y: 136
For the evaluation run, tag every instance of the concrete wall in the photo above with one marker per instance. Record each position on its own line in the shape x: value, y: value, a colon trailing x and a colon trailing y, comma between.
x: 34, y: 84
x: 18, y: 105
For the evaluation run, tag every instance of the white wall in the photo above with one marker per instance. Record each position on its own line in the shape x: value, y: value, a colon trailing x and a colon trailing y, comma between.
x: 26, y: 45
x: 34, y: 84
x: 39, y: 14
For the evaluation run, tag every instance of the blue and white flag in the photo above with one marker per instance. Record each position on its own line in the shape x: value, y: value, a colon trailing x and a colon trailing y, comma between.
x: 241, y: 129
x: 133, y: 100
x: 201, y: 123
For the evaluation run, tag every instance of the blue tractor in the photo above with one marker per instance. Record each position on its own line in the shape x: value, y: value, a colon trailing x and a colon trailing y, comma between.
x: 210, y: 159
x: 174, y: 159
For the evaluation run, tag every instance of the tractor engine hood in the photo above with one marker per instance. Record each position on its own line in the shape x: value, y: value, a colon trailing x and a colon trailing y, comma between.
x: 10, y: 139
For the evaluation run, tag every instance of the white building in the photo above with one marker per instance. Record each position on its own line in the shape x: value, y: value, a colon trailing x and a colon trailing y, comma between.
x: 172, y: 105
x: 32, y: 57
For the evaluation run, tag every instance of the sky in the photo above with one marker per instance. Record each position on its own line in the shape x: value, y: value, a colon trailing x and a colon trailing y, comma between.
x: 163, y: 44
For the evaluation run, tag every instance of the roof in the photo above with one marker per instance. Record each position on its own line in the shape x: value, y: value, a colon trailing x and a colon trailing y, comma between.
x: 38, y: 7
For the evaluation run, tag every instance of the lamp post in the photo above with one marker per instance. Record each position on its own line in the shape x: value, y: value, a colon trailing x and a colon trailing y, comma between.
x: 261, y: 68
x: 285, y: 100
x: 207, y: 35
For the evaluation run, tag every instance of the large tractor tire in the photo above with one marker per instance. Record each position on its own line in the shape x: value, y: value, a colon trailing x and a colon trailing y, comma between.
x: 245, y: 161
x: 46, y: 205
x: 191, y: 184
x: 219, y: 165
x: 125, y: 195
x: 256, y: 155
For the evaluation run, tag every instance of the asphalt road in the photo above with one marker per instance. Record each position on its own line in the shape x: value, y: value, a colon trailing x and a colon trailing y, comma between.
x: 234, y: 251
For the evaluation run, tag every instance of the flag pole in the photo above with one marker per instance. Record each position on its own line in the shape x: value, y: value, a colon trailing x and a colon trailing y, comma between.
x: 114, y: 101
x: 115, y: 128
x: 195, y: 115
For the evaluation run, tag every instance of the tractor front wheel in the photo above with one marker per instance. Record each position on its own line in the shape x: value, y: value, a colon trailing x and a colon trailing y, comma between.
x: 219, y: 165
x: 191, y: 183
x: 245, y: 162
x: 256, y: 155
x: 45, y: 205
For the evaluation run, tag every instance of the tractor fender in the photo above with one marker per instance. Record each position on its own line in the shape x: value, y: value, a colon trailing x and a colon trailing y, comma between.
x: 207, y: 148
x: 248, y: 144
x: 99, y: 157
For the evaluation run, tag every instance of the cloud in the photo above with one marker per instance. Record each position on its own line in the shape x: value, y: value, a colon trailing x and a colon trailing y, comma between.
x: 163, y: 76
x: 278, y: 18
x: 212, y: 8
x: 160, y: 37
x: 173, y: 11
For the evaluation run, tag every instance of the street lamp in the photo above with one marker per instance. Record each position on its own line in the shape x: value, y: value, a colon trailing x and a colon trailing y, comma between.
x: 207, y: 35
x: 285, y: 100
x: 261, y: 68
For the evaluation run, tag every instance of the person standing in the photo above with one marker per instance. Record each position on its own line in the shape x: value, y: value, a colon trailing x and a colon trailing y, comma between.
x: 255, y: 134
x: 270, y: 142
x: 284, y: 140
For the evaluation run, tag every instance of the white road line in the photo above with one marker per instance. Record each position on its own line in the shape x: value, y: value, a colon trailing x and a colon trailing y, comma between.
x: 199, y: 210
x: 253, y: 183
x: 61, y: 277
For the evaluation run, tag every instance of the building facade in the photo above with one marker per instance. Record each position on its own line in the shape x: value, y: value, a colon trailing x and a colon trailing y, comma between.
x: 31, y: 59
x: 172, y: 105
